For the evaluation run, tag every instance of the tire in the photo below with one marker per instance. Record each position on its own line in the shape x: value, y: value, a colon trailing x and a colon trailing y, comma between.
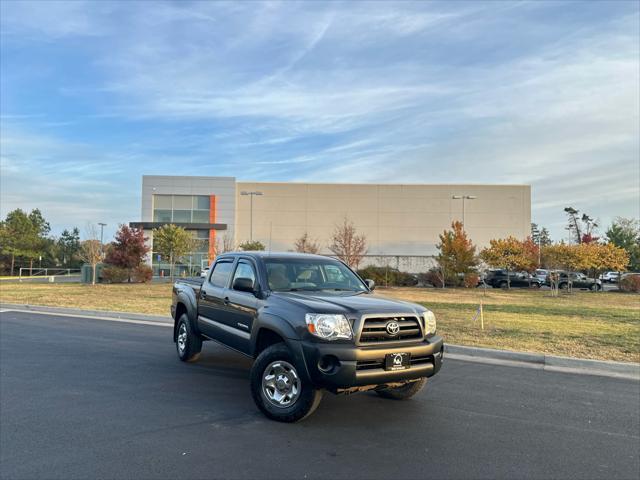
x: 503, y: 285
x: 535, y: 286
x: 188, y: 343
x: 285, y: 396
x: 596, y: 287
x: 404, y: 392
x: 563, y: 286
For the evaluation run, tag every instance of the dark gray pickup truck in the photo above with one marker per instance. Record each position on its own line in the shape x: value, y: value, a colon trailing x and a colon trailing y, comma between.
x: 311, y: 324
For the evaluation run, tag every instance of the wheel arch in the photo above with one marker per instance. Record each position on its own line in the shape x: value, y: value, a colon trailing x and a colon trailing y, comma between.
x: 185, y: 304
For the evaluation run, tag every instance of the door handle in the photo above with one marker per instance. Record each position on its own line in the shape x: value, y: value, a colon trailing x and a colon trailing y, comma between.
x: 226, y: 300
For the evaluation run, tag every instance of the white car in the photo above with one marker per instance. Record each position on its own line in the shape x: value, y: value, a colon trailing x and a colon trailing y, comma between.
x: 204, y: 272
x: 611, y: 277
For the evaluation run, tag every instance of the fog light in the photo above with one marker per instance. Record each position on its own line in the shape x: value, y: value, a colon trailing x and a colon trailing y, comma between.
x: 328, y: 364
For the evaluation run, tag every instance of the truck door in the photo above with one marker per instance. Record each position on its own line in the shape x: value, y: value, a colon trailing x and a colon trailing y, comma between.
x: 243, y: 305
x: 211, y: 304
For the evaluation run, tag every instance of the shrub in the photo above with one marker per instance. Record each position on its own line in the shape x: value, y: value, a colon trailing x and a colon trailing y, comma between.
x: 113, y: 274
x: 630, y: 283
x: 432, y: 277
x: 142, y: 273
x: 388, y: 276
x: 471, y: 280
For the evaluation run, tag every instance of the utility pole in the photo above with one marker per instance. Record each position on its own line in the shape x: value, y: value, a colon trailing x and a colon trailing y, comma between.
x: 251, y: 195
x: 463, y: 198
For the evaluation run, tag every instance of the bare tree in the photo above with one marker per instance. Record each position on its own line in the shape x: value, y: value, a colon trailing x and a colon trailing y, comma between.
x: 306, y: 245
x: 227, y: 243
x: 347, y: 245
x: 91, y: 250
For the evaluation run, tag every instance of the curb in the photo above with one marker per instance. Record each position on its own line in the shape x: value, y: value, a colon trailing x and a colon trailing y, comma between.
x: 544, y: 362
x: 492, y: 356
x: 93, y: 313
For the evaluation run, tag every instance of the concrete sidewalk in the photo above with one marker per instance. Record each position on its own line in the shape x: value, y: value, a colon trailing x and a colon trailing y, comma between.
x: 539, y: 361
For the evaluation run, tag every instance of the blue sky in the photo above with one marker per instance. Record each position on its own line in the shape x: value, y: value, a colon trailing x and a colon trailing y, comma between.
x: 96, y: 94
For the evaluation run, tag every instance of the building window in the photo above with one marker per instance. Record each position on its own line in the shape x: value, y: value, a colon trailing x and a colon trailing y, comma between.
x: 181, y: 208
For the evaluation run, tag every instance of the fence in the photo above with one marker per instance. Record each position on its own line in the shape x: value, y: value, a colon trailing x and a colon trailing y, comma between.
x: 47, y: 272
x: 403, y: 263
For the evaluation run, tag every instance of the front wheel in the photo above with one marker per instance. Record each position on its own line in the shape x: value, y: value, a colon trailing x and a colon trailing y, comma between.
x: 596, y: 287
x: 404, y: 392
x: 188, y: 343
x: 277, y: 388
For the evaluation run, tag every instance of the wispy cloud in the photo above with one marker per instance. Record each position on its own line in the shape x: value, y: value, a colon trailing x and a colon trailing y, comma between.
x: 517, y: 92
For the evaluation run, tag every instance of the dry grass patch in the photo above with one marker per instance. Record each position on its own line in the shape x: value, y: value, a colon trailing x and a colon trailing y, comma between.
x: 585, y: 324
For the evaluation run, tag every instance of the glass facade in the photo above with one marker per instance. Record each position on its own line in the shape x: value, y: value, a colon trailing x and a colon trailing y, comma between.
x: 183, y: 209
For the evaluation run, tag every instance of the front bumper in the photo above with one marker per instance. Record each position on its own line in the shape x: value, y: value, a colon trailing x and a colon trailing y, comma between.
x: 352, y: 366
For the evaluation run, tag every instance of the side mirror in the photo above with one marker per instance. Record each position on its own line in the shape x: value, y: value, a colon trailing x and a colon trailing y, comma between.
x: 371, y: 284
x: 243, y: 285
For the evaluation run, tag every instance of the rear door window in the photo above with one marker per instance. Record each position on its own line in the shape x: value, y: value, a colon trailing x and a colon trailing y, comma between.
x: 220, y: 274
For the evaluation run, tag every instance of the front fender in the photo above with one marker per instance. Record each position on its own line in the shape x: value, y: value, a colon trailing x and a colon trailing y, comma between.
x: 276, y: 324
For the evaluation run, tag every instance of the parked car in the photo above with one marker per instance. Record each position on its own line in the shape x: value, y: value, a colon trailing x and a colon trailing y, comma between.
x: 577, y: 280
x: 204, y: 272
x: 541, y: 274
x: 499, y: 279
x: 311, y: 324
x: 611, y: 277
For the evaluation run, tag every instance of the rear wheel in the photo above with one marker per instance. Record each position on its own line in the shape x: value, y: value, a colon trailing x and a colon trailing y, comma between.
x: 563, y: 286
x: 535, y: 285
x: 404, y: 392
x: 503, y: 284
x: 595, y: 287
x: 277, y: 388
x: 188, y: 343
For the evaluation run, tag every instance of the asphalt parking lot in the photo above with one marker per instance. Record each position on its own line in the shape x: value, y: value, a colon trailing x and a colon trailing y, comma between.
x: 83, y: 398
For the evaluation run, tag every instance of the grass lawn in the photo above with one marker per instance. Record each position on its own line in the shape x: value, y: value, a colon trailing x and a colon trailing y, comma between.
x: 604, y: 325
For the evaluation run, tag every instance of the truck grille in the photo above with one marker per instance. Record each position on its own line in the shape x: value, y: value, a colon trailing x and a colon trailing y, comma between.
x: 374, y: 329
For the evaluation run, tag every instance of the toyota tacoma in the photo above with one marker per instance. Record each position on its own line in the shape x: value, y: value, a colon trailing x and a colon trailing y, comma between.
x: 311, y: 324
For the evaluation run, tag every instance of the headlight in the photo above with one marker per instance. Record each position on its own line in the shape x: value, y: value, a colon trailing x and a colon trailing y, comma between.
x: 429, y: 323
x: 328, y: 327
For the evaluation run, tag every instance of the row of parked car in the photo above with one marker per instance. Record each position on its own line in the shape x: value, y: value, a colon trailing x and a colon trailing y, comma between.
x: 541, y: 277
x: 502, y: 279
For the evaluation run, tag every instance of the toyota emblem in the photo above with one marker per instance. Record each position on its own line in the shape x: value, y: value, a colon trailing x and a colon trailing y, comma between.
x: 393, y: 328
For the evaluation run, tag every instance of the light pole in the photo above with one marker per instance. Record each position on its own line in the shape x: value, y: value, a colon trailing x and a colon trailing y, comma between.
x: 463, y: 198
x: 102, y: 225
x: 251, y: 195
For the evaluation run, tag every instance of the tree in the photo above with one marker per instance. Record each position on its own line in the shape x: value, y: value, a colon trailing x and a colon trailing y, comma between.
x: 347, y: 245
x: 559, y: 257
x: 597, y: 258
x: 457, y: 253
x: 173, y: 242
x: 304, y: 244
x: 625, y: 233
x: 540, y: 236
x: 581, y: 228
x: 128, y: 250
x: 91, y: 250
x: 251, y: 246
x: 511, y: 254
x: 68, y: 246
x: 24, y: 235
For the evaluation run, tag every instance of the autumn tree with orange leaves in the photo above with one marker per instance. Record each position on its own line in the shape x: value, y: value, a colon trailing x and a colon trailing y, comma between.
x: 511, y: 255
x: 457, y: 253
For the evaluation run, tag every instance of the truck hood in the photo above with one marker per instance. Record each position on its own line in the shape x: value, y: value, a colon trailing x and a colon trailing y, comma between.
x: 320, y: 302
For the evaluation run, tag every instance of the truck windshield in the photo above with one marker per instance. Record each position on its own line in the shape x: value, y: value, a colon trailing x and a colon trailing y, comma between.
x: 290, y: 275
